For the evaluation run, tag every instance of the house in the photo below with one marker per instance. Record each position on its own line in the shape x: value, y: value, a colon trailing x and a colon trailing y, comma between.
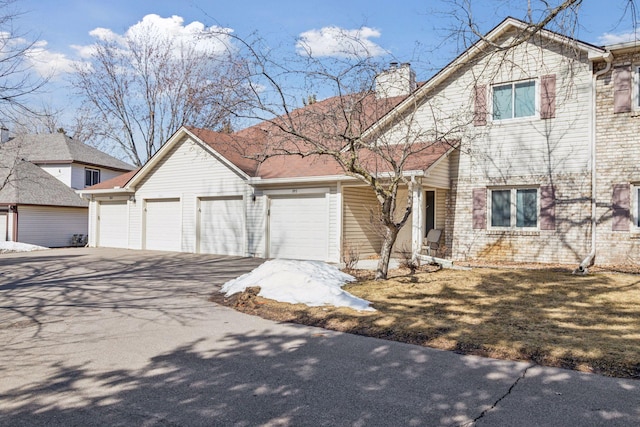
x: 205, y: 192
x: 39, y: 176
x: 544, y: 168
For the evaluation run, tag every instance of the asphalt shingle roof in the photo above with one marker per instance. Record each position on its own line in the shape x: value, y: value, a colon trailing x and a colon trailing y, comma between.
x: 58, y: 147
x: 24, y: 183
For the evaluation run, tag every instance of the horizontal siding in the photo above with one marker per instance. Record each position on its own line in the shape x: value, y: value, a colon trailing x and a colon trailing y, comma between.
x: 359, y: 231
x: 187, y: 172
x: 51, y: 226
x: 360, y: 217
x: 439, y: 176
x: 441, y: 211
x: 62, y: 172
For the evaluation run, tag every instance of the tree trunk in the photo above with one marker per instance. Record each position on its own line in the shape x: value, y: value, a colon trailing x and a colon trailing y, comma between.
x: 385, y: 253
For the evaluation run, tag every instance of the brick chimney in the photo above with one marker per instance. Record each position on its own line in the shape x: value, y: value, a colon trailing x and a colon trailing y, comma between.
x: 398, y: 80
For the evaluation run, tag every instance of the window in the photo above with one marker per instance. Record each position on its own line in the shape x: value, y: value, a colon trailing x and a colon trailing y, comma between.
x: 521, y: 214
x: 514, y: 100
x: 91, y: 177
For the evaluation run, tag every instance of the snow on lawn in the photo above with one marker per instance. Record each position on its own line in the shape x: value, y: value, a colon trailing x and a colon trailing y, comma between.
x: 312, y: 283
x: 6, y: 247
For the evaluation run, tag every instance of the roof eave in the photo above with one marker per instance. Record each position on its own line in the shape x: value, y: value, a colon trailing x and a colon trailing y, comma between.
x: 594, y: 52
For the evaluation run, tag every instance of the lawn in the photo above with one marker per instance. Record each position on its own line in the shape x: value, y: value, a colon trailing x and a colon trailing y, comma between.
x: 551, y: 317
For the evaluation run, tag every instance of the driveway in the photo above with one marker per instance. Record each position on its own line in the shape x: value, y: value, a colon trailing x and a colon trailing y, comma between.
x: 117, y: 337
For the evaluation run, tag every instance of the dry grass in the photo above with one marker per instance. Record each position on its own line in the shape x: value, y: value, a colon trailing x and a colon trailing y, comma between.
x: 587, y: 323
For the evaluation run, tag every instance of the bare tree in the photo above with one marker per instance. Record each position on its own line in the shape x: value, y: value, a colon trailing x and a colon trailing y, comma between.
x: 340, y: 128
x: 17, y: 78
x: 140, y: 88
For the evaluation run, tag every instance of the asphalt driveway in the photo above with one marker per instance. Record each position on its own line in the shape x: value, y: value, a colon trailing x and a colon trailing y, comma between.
x: 117, y: 337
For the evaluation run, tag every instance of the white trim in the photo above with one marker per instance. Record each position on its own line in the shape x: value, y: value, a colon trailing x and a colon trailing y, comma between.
x: 513, y: 208
x: 296, y: 191
x: 635, y: 90
x: 513, y: 119
x: 634, y: 206
x: 594, y: 53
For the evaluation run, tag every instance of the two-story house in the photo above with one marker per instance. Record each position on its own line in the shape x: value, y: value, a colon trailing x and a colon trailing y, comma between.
x: 543, y: 170
x: 38, y: 178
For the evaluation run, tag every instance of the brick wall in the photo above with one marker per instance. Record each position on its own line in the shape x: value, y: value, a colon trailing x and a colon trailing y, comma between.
x: 618, y: 162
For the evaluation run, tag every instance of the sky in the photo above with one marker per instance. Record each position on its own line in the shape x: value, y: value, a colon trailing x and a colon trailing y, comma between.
x: 412, y: 31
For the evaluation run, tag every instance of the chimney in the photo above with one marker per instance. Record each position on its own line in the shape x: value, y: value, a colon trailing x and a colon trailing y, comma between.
x: 398, y: 80
x: 4, y: 134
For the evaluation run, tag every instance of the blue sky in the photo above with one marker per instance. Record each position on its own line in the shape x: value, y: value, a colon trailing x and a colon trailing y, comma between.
x: 406, y: 30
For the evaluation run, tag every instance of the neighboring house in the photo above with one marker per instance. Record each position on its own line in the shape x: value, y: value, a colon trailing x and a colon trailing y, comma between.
x: 546, y: 134
x: 39, y: 175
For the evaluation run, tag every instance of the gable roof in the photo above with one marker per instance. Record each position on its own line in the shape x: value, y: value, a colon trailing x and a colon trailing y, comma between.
x: 24, y: 183
x: 509, y: 23
x: 260, y: 152
x: 60, y: 148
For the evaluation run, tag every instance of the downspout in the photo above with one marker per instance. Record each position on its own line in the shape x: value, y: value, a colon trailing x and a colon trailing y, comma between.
x: 589, y: 260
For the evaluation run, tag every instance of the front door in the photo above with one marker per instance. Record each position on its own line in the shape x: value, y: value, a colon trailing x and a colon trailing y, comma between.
x: 430, y: 211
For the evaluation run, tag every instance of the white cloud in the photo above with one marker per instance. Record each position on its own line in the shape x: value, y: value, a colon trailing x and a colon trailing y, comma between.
x: 610, y: 38
x: 205, y: 40
x: 212, y: 40
x: 48, y: 63
x: 339, y: 42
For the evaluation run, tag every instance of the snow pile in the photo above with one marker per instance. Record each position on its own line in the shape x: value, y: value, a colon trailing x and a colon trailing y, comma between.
x: 308, y: 282
x: 6, y: 247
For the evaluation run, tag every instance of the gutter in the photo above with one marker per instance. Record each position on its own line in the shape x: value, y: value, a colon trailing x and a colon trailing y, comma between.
x: 323, y: 179
x: 589, y: 260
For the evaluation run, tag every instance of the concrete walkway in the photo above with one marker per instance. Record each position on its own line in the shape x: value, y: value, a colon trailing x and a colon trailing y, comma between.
x: 116, y: 337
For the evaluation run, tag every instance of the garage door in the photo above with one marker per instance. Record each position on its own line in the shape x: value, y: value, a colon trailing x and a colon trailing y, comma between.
x: 3, y: 226
x: 162, y: 225
x: 221, y: 226
x: 298, y: 227
x: 113, y: 224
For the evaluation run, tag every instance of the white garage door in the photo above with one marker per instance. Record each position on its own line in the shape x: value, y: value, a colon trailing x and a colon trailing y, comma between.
x: 221, y: 226
x: 298, y: 227
x: 3, y: 226
x: 112, y: 224
x: 162, y: 225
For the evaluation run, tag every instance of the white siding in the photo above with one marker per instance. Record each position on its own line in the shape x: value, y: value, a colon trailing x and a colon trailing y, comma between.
x: 187, y: 172
x: 77, y: 175
x: 62, y: 172
x: 50, y: 226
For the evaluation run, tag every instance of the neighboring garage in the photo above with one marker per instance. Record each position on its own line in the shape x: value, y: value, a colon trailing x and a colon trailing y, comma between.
x: 298, y: 227
x: 221, y: 226
x: 3, y: 225
x: 50, y: 226
x: 113, y: 224
x: 162, y: 225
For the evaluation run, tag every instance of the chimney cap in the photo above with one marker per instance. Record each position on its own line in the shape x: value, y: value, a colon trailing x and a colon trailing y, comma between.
x: 393, y: 64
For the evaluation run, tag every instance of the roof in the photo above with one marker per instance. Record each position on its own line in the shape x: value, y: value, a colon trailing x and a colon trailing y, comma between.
x: 24, y: 183
x: 509, y: 23
x: 60, y: 148
x: 118, y: 182
x: 264, y: 150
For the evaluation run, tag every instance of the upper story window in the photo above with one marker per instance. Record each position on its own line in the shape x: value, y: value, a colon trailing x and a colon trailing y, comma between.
x: 91, y: 177
x: 514, y: 208
x: 514, y: 100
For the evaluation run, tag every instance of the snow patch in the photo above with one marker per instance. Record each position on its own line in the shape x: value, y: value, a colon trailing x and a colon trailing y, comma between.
x: 312, y: 283
x: 6, y: 247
